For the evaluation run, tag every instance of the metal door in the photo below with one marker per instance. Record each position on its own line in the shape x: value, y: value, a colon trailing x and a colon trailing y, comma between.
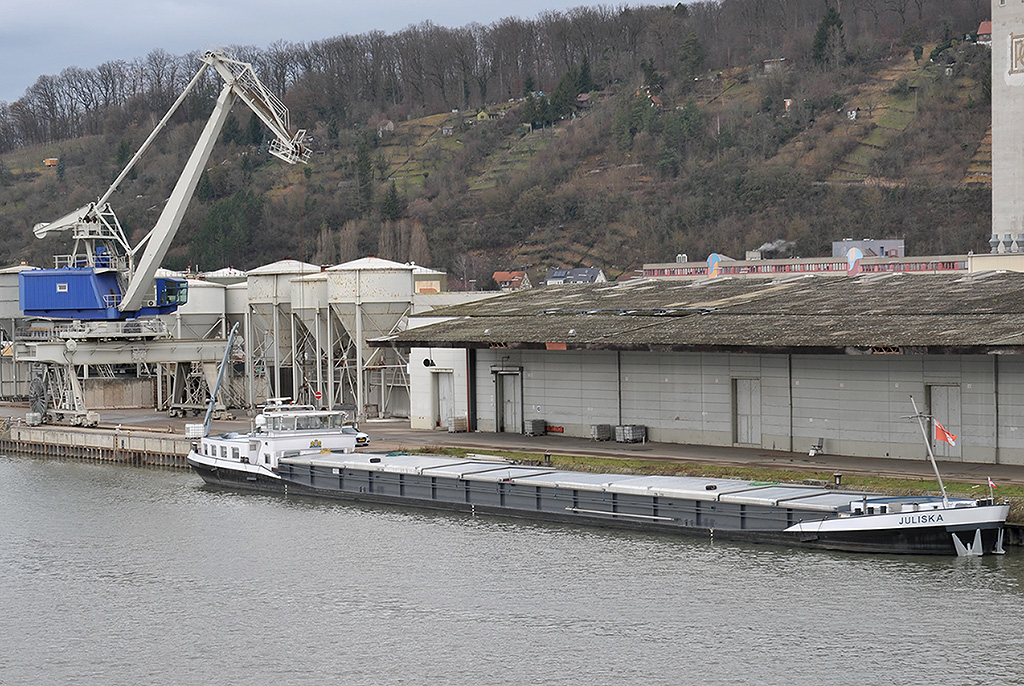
x: 747, y: 411
x: 445, y: 398
x: 509, y: 408
x: 944, y: 407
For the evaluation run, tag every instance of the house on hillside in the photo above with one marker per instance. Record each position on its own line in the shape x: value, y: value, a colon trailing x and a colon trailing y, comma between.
x: 512, y: 281
x: 385, y: 127
x: 776, y: 64
x: 582, y: 275
x: 985, y: 33
x: 645, y: 92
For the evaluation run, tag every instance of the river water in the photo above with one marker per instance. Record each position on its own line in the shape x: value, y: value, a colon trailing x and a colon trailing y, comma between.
x: 119, y: 575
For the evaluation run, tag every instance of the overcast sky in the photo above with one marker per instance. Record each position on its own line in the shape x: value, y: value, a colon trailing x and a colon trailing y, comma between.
x: 46, y: 36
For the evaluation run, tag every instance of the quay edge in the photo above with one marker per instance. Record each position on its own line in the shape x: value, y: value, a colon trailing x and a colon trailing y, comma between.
x: 100, y: 445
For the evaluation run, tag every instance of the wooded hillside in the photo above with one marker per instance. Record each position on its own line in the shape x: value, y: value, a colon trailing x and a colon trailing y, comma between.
x: 713, y: 126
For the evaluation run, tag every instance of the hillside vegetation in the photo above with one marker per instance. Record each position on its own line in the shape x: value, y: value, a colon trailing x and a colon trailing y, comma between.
x: 694, y: 136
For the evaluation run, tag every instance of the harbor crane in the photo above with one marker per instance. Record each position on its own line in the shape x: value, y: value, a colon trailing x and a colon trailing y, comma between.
x: 107, y: 288
x: 105, y: 278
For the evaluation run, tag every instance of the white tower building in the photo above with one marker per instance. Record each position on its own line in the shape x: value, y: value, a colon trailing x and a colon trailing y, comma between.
x: 1007, y: 126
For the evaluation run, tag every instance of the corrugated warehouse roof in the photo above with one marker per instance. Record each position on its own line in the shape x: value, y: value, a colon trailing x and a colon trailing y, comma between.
x: 941, y: 313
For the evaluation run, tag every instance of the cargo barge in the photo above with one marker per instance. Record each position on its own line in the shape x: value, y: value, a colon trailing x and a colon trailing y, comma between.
x: 281, y: 456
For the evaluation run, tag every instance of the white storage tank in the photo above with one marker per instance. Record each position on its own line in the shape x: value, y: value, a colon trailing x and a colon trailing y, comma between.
x: 383, y: 291
x: 269, y: 292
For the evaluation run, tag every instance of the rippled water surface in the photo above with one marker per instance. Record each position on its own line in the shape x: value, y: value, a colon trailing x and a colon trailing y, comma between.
x: 117, y: 575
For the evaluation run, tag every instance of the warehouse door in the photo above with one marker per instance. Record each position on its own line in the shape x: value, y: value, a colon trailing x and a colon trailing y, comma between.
x: 444, y: 400
x: 746, y: 394
x: 508, y: 403
x: 944, y: 407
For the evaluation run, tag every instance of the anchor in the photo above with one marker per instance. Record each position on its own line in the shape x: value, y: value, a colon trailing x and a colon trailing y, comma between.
x: 975, y: 550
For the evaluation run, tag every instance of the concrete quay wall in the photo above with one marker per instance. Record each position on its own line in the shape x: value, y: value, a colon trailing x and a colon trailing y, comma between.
x: 95, y: 444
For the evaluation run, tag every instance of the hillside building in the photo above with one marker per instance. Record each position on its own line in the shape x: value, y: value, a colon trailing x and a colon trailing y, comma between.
x: 869, y: 247
x: 512, y: 281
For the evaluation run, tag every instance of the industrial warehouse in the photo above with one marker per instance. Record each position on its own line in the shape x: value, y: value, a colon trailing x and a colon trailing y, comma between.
x: 822, y: 363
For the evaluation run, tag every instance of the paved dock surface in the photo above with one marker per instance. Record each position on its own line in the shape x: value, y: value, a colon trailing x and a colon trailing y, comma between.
x: 395, y: 434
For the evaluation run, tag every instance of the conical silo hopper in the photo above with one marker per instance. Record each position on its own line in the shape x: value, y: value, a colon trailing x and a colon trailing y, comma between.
x: 203, y: 315
x: 309, y: 300
x: 371, y: 297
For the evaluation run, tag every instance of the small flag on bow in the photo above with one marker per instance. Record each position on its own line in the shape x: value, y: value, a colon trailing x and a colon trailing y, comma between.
x: 942, y: 435
x: 991, y: 483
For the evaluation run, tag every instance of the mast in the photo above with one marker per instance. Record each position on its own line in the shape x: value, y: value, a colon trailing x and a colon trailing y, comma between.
x: 931, y: 455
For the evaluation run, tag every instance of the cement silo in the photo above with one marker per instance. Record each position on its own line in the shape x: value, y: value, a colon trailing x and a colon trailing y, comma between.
x: 371, y: 298
x: 269, y: 330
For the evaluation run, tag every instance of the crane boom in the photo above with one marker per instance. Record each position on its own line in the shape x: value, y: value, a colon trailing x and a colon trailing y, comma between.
x: 240, y: 83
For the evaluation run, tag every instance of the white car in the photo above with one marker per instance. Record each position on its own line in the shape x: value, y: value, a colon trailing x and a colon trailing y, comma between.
x: 361, y: 437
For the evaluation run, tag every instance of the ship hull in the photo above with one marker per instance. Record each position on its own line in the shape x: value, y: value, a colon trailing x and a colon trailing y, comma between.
x: 979, y: 531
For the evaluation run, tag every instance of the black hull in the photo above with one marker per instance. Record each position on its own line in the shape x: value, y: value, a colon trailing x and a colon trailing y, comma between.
x: 920, y: 541
x: 235, y: 479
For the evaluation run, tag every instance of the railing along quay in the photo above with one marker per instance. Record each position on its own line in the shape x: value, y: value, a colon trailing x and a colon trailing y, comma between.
x: 101, y: 445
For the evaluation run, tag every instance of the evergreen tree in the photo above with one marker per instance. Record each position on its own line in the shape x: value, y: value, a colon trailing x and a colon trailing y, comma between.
x: 563, y: 98
x: 255, y: 130
x: 528, y: 85
x: 391, y: 204
x: 204, y: 189
x: 586, y: 81
x: 529, y: 111
x: 652, y: 79
x: 693, y: 55
x: 829, y: 45
x: 124, y: 153
x: 232, y: 131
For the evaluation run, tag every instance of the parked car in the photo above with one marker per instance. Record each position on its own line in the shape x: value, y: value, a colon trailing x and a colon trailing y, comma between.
x: 362, y: 438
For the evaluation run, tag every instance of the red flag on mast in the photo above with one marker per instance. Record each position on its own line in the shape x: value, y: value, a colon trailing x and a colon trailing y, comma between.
x: 942, y: 435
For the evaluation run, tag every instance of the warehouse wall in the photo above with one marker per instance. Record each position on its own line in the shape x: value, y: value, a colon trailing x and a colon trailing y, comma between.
x: 856, y: 404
